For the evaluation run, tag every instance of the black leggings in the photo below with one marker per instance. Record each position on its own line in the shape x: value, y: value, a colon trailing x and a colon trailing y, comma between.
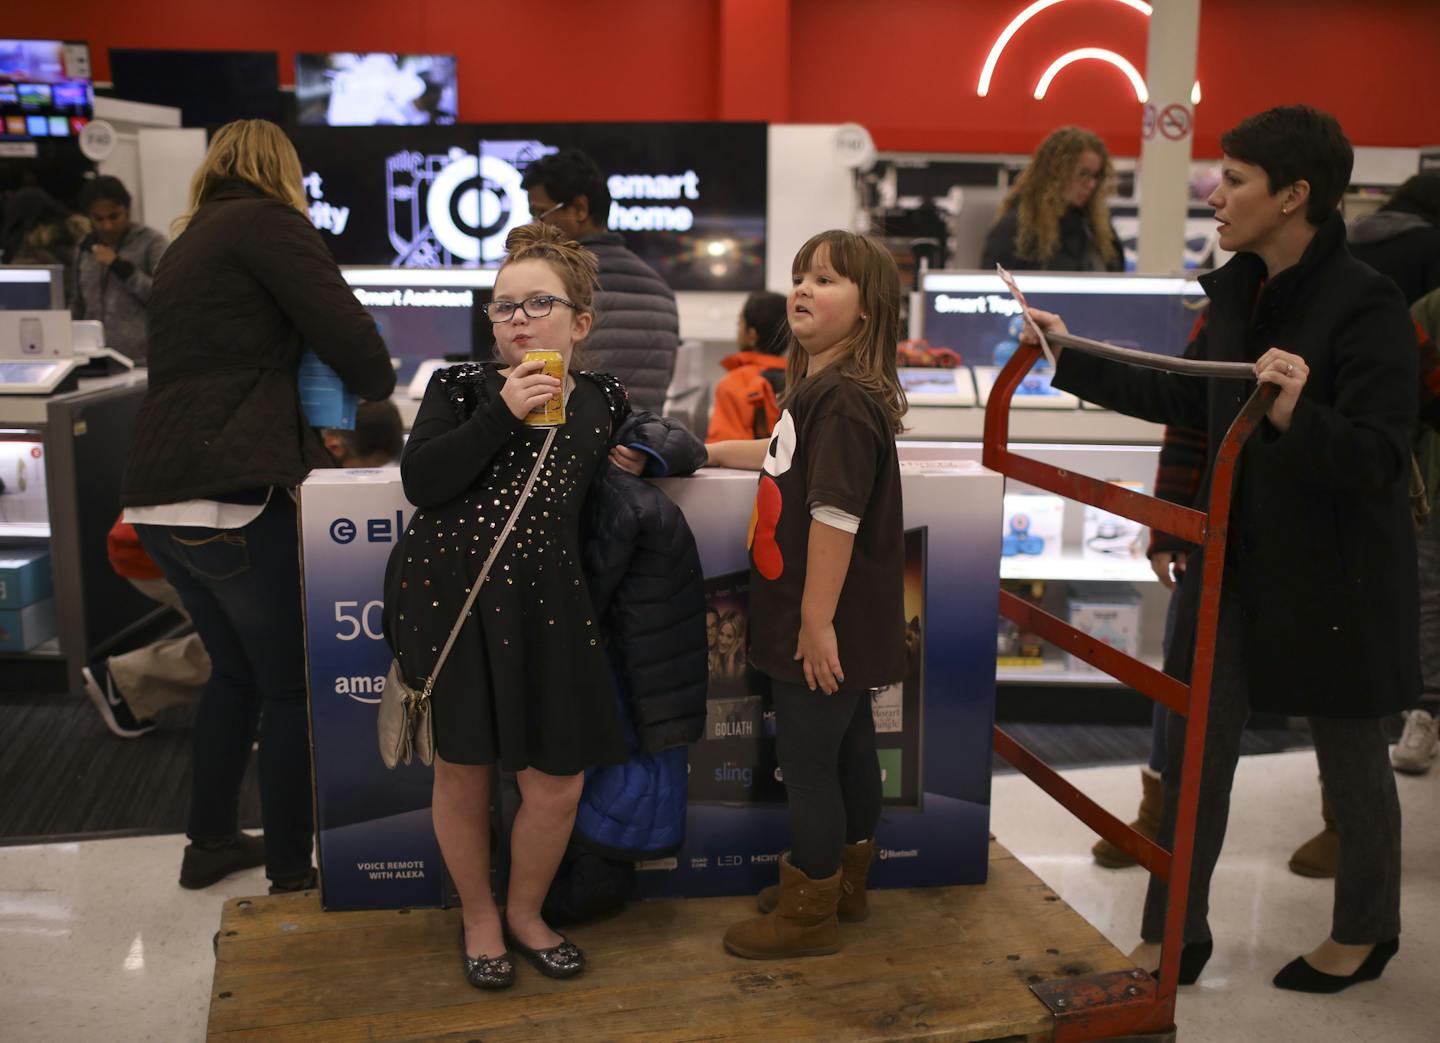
x: 826, y: 746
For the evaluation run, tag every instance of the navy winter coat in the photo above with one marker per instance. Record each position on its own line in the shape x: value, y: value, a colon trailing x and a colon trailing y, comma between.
x: 643, y: 570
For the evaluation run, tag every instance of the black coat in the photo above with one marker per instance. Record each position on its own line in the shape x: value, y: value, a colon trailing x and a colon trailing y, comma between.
x: 235, y: 297
x: 1321, y: 558
x: 637, y: 326
x: 643, y: 571
x: 1077, y: 251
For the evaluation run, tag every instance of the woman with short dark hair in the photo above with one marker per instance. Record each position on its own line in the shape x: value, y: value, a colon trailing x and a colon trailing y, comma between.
x: 1318, y: 607
x: 114, y: 267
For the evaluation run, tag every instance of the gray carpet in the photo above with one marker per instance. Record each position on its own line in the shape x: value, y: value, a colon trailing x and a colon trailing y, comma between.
x: 64, y: 775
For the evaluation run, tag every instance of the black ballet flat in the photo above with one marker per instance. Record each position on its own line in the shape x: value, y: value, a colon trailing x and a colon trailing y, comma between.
x: 487, y: 972
x: 1193, y: 957
x: 1299, y: 976
x: 559, y: 961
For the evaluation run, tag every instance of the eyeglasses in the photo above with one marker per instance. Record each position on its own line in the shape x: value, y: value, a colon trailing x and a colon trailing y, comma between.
x: 535, y: 307
x: 1089, y: 175
x: 558, y: 206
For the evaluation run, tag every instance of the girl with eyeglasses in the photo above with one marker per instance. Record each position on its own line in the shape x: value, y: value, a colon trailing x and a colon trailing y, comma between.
x: 527, y: 686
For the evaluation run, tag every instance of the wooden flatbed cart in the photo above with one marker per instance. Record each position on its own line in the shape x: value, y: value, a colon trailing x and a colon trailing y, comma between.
x: 1009, y: 960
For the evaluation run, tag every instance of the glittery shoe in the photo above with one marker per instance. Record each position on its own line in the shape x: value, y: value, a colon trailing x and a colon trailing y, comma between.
x: 487, y: 972
x: 559, y: 961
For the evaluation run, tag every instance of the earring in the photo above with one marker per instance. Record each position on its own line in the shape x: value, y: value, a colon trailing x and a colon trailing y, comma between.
x: 863, y: 316
x: 1284, y: 209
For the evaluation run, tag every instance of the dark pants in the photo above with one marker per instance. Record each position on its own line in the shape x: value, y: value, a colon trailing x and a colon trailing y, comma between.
x: 1427, y: 546
x: 242, y: 589
x: 826, y: 747
x: 1355, y: 770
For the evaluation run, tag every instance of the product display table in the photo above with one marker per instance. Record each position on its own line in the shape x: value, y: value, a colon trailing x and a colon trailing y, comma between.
x: 947, y: 962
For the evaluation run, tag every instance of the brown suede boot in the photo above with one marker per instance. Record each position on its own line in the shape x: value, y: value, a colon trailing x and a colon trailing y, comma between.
x: 854, y: 868
x: 803, y: 923
x: 1147, y: 821
x: 1318, y: 856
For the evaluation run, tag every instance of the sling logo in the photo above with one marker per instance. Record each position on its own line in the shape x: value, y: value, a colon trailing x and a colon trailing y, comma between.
x: 377, y: 530
x: 732, y: 772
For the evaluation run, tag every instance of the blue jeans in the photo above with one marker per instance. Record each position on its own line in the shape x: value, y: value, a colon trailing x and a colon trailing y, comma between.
x: 242, y: 589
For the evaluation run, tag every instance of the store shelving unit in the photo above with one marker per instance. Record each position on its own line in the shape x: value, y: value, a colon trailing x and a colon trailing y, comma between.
x: 82, y: 439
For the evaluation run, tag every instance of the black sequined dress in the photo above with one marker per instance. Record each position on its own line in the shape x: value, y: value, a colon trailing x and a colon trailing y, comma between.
x: 527, y: 684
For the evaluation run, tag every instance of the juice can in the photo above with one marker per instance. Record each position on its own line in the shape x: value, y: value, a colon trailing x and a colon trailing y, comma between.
x: 552, y: 412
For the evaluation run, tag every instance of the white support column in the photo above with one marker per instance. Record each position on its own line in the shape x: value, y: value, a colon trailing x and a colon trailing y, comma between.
x: 1167, y: 133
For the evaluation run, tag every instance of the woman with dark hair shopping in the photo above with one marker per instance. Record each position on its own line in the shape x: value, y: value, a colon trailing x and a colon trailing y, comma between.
x: 1318, y: 602
x: 115, y: 267
x: 219, y: 445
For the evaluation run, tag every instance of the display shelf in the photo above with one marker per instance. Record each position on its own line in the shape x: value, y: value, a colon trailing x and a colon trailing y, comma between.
x: 45, y: 650
x: 1073, y: 566
x: 24, y: 530
x: 1053, y: 672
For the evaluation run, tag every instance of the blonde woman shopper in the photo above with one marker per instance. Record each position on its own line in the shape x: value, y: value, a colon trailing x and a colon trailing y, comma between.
x: 219, y: 445
x: 1055, y: 217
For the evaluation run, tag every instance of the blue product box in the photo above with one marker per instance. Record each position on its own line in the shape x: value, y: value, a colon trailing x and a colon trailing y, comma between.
x: 21, y: 629
x: 24, y: 576
x: 323, y: 395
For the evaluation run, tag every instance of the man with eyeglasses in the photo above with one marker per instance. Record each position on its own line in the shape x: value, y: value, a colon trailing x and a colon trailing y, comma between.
x: 637, y: 327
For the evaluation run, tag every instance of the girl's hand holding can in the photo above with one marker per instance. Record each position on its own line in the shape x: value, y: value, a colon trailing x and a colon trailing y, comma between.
x: 819, y: 654
x: 527, y: 388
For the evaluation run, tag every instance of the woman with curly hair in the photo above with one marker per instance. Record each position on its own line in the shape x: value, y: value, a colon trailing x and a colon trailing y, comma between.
x: 1055, y: 217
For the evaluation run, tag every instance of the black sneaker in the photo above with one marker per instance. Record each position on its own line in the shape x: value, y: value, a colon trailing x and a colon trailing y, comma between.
x: 206, y: 864
x: 114, y: 710
x: 305, y: 881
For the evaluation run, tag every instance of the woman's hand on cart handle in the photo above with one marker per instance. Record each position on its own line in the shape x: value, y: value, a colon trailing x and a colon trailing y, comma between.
x: 1047, y: 321
x: 1287, y: 372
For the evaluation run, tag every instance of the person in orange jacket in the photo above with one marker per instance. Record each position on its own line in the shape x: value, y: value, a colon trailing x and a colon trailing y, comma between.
x: 745, y: 398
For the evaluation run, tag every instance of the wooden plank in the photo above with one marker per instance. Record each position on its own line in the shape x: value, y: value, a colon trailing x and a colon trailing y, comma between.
x: 953, y: 963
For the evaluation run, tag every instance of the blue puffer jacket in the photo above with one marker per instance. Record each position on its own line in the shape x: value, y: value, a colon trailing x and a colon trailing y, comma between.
x: 643, y: 570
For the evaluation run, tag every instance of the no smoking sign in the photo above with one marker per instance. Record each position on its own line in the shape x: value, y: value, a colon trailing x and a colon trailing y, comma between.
x: 1175, y: 122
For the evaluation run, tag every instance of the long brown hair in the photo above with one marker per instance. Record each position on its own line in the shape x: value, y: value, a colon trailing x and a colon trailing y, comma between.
x: 1038, y: 195
x: 256, y: 151
x: 870, y: 352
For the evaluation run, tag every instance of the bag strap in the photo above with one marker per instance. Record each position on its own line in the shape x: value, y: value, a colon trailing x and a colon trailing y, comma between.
x: 485, y: 569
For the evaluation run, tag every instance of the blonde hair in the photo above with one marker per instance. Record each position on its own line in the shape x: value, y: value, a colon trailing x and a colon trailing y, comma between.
x: 256, y: 151
x: 869, y: 357
x: 578, y: 268
x: 1038, y: 195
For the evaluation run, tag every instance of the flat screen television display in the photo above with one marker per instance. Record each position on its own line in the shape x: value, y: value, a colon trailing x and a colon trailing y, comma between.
x: 974, y: 314
x: 31, y: 287
x: 45, y: 88
x: 210, y: 88
x: 425, y: 313
x: 689, y: 198
x: 346, y: 89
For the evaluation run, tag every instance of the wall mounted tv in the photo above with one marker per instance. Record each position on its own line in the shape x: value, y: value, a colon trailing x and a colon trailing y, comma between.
x: 690, y: 198
x: 45, y: 89
x: 345, y: 89
x: 210, y: 88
